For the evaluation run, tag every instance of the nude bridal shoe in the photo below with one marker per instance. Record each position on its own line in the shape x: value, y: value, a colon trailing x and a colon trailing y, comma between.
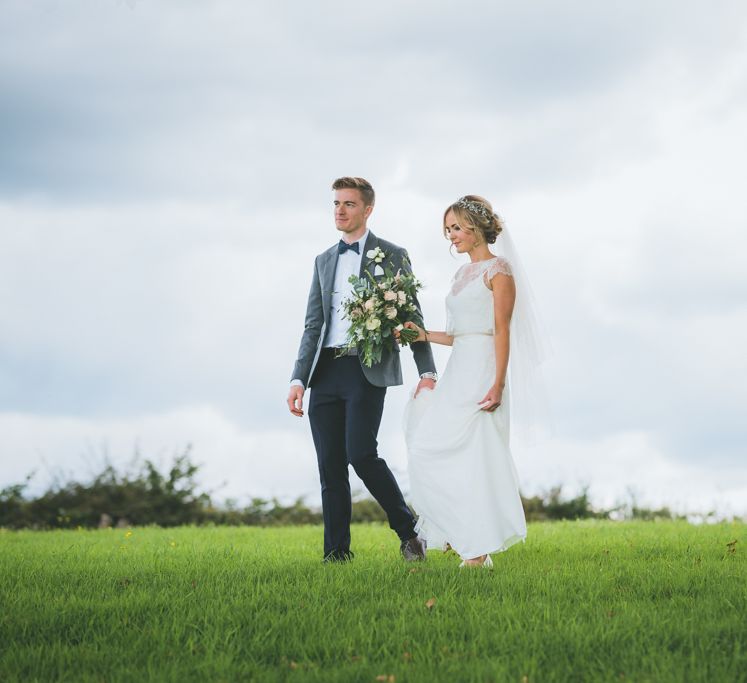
x: 487, y: 563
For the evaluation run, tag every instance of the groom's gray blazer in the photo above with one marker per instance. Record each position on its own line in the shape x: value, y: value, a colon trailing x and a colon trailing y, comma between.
x: 388, y: 372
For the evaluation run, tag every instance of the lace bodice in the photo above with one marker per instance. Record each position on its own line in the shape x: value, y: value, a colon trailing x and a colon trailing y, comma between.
x: 469, y: 304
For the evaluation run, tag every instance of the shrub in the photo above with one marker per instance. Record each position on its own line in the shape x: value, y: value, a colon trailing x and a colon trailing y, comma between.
x: 148, y: 496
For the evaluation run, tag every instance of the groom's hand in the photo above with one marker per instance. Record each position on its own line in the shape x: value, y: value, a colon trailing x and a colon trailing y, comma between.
x: 295, y: 401
x: 425, y: 383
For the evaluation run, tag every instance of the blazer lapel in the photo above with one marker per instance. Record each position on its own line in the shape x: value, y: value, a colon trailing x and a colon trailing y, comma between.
x: 371, y: 243
x: 329, y: 265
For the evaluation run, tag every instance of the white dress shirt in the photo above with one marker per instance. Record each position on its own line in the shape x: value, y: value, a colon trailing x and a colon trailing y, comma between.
x: 348, y: 264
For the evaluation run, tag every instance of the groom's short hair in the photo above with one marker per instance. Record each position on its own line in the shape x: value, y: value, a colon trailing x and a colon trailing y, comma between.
x: 360, y: 184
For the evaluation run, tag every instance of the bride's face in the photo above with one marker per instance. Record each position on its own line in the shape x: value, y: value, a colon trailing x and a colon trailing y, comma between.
x: 464, y: 240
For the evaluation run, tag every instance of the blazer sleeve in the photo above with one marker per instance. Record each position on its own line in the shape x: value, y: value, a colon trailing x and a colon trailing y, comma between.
x: 312, y: 329
x: 421, y: 351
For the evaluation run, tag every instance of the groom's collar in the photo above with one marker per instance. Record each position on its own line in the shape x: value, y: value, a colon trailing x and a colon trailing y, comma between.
x: 361, y: 241
x: 367, y: 241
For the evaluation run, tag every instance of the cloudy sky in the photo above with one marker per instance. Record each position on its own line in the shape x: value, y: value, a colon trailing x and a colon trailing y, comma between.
x: 164, y: 187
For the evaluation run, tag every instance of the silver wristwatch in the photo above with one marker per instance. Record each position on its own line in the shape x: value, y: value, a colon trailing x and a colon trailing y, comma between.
x: 430, y: 375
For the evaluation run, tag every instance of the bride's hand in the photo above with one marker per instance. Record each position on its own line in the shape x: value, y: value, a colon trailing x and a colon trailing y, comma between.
x: 492, y: 399
x: 412, y: 326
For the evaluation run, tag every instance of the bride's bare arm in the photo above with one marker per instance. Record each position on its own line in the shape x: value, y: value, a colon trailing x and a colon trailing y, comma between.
x: 432, y: 337
x: 504, y: 296
x: 439, y: 338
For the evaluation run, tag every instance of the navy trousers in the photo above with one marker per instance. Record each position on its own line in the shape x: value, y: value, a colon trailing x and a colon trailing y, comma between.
x: 345, y: 412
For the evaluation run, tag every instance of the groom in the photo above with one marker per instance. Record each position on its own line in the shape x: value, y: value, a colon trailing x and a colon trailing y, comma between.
x: 347, y: 400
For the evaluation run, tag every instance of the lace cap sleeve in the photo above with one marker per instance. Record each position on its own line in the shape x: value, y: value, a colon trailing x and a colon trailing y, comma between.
x: 497, y: 265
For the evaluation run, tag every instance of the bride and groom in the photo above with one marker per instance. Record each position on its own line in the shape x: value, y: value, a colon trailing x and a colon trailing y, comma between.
x: 464, y: 486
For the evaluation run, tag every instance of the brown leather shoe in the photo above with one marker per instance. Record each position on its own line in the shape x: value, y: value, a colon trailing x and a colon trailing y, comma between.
x: 413, y: 549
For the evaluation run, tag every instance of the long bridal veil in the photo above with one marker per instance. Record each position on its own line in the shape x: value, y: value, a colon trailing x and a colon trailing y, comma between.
x: 530, y: 347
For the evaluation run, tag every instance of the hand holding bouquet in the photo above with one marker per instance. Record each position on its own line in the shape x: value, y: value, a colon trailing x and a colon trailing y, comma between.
x: 376, y: 309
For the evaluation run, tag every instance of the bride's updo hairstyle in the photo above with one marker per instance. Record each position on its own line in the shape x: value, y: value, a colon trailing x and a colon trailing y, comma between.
x: 475, y: 213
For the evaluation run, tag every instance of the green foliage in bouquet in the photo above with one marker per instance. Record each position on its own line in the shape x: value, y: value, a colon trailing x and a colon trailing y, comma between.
x: 378, y: 307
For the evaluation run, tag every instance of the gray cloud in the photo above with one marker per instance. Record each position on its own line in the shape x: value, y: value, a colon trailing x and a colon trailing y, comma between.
x: 226, y: 99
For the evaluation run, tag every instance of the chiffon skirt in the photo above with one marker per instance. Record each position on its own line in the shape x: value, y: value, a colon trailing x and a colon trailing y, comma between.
x: 463, y: 482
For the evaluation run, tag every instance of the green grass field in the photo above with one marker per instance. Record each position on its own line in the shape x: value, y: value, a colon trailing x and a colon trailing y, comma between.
x: 580, y: 601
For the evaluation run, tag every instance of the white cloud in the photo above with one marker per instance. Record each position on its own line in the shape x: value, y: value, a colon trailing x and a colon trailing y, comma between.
x: 619, y: 464
x: 234, y: 462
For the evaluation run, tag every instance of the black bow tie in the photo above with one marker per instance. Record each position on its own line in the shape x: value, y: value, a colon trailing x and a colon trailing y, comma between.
x: 342, y: 247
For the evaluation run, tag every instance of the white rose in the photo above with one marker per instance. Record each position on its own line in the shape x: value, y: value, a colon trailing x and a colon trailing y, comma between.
x: 376, y: 254
x: 402, y: 297
x: 390, y: 312
x: 390, y: 295
x: 369, y: 305
x: 373, y: 324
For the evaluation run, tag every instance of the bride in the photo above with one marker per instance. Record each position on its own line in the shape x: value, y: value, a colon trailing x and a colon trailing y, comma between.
x: 463, y: 482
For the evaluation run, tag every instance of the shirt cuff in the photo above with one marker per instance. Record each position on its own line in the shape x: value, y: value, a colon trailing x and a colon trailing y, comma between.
x: 429, y: 375
x: 297, y: 383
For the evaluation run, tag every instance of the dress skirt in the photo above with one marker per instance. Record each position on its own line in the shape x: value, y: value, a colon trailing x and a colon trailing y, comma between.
x: 463, y: 482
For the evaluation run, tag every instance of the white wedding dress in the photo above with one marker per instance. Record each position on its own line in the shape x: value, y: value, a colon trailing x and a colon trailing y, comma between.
x: 463, y: 483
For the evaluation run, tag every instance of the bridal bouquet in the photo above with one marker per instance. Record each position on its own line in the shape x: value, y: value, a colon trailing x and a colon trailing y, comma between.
x: 378, y: 307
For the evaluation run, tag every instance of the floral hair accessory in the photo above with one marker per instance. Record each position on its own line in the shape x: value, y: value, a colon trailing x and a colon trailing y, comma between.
x: 474, y: 207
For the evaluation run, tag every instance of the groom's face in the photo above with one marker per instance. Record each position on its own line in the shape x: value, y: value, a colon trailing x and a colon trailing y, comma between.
x: 351, y: 213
